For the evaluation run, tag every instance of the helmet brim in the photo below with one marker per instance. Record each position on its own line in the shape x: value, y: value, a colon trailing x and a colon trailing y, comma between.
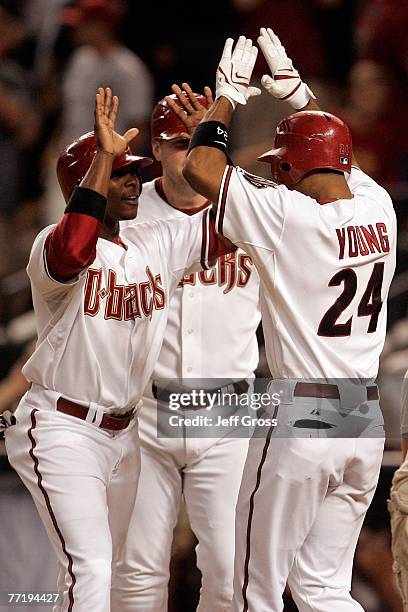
x: 268, y: 156
x: 171, y: 135
x: 132, y: 160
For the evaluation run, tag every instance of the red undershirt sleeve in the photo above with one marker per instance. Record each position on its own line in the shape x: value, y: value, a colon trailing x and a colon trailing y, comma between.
x: 71, y: 246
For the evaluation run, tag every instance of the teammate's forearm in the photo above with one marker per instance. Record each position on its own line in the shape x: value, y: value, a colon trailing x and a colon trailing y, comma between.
x: 205, y: 165
x: 220, y: 110
x: 71, y: 246
x: 98, y: 176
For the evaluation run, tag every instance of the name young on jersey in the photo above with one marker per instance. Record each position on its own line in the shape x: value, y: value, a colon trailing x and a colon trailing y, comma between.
x: 123, y: 302
x: 362, y: 240
x: 232, y: 270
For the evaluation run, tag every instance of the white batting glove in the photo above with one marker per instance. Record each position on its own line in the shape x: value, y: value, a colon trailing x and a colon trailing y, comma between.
x: 235, y: 70
x: 285, y: 82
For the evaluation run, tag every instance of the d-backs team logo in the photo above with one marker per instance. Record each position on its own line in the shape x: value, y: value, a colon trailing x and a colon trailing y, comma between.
x: 123, y: 302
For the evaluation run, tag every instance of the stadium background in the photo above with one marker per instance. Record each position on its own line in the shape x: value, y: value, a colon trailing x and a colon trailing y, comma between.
x: 353, y: 53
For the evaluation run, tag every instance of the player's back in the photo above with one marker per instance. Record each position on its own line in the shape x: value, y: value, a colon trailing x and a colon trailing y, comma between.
x: 332, y: 273
x: 325, y: 271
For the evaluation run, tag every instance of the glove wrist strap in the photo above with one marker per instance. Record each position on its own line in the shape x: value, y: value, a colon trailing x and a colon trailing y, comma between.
x: 301, y: 96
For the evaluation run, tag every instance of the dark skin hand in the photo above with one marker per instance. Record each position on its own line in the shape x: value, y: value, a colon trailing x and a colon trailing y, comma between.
x: 123, y: 189
x: 191, y: 111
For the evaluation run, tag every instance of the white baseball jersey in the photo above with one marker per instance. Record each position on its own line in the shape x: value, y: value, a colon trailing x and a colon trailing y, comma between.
x: 325, y: 315
x: 99, y: 336
x: 213, y: 314
x: 210, y: 334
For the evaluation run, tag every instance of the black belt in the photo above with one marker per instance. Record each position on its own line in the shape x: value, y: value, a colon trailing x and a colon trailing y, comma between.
x: 323, y: 390
x: 163, y: 395
x: 328, y: 391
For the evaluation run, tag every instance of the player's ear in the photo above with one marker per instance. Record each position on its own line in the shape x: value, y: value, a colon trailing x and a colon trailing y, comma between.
x: 156, y: 149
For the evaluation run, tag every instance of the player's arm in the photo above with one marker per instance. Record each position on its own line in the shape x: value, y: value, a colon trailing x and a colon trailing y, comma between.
x: 71, y: 246
x: 284, y: 82
x: 207, y: 158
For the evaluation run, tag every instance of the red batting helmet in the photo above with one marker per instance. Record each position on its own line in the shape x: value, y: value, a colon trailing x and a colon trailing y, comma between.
x: 306, y: 141
x: 75, y: 160
x: 165, y: 124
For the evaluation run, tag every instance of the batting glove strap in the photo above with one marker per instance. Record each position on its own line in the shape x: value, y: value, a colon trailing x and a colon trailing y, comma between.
x: 293, y: 91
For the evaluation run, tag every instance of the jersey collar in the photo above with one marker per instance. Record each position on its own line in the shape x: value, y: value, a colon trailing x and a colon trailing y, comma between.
x: 158, y: 184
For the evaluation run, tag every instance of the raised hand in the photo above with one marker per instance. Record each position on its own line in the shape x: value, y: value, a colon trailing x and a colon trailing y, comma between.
x: 106, y: 109
x: 285, y: 82
x: 189, y: 110
x: 235, y: 70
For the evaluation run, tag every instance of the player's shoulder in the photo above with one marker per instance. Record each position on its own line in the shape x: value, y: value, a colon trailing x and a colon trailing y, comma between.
x: 361, y: 183
x: 42, y: 234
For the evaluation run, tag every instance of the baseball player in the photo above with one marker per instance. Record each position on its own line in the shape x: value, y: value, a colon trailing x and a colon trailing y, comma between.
x: 398, y: 505
x: 101, y: 302
x: 325, y: 252
x: 205, y: 471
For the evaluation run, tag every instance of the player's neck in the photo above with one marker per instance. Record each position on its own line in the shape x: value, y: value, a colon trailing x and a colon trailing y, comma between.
x: 180, y: 195
x: 323, y: 186
x: 109, y: 230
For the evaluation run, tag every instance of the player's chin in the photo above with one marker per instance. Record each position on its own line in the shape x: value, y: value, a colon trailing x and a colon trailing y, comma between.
x: 128, y: 209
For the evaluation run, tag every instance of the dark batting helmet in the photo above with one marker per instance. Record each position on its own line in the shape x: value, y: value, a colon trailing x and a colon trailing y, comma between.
x: 75, y: 160
x: 165, y: 124
x: 306, y: 141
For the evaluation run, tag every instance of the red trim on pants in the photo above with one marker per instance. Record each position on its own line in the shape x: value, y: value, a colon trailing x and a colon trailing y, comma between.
x: 49, y: 508
x: 250, y: 516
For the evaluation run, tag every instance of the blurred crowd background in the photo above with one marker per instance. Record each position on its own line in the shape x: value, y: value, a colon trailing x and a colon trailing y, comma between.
x: 53, y: 56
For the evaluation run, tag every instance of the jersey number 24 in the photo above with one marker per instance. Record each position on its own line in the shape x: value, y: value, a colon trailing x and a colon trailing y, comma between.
x: 370, y: 304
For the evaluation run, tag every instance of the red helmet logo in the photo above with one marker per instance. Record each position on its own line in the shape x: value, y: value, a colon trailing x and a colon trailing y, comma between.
x: 306, y: 141
x: 75, y: 160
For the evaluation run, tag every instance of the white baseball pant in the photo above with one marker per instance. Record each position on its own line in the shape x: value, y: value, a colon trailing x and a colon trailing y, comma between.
x: 83, y: 481
x: 207, y: 472
x: 300, y: 510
